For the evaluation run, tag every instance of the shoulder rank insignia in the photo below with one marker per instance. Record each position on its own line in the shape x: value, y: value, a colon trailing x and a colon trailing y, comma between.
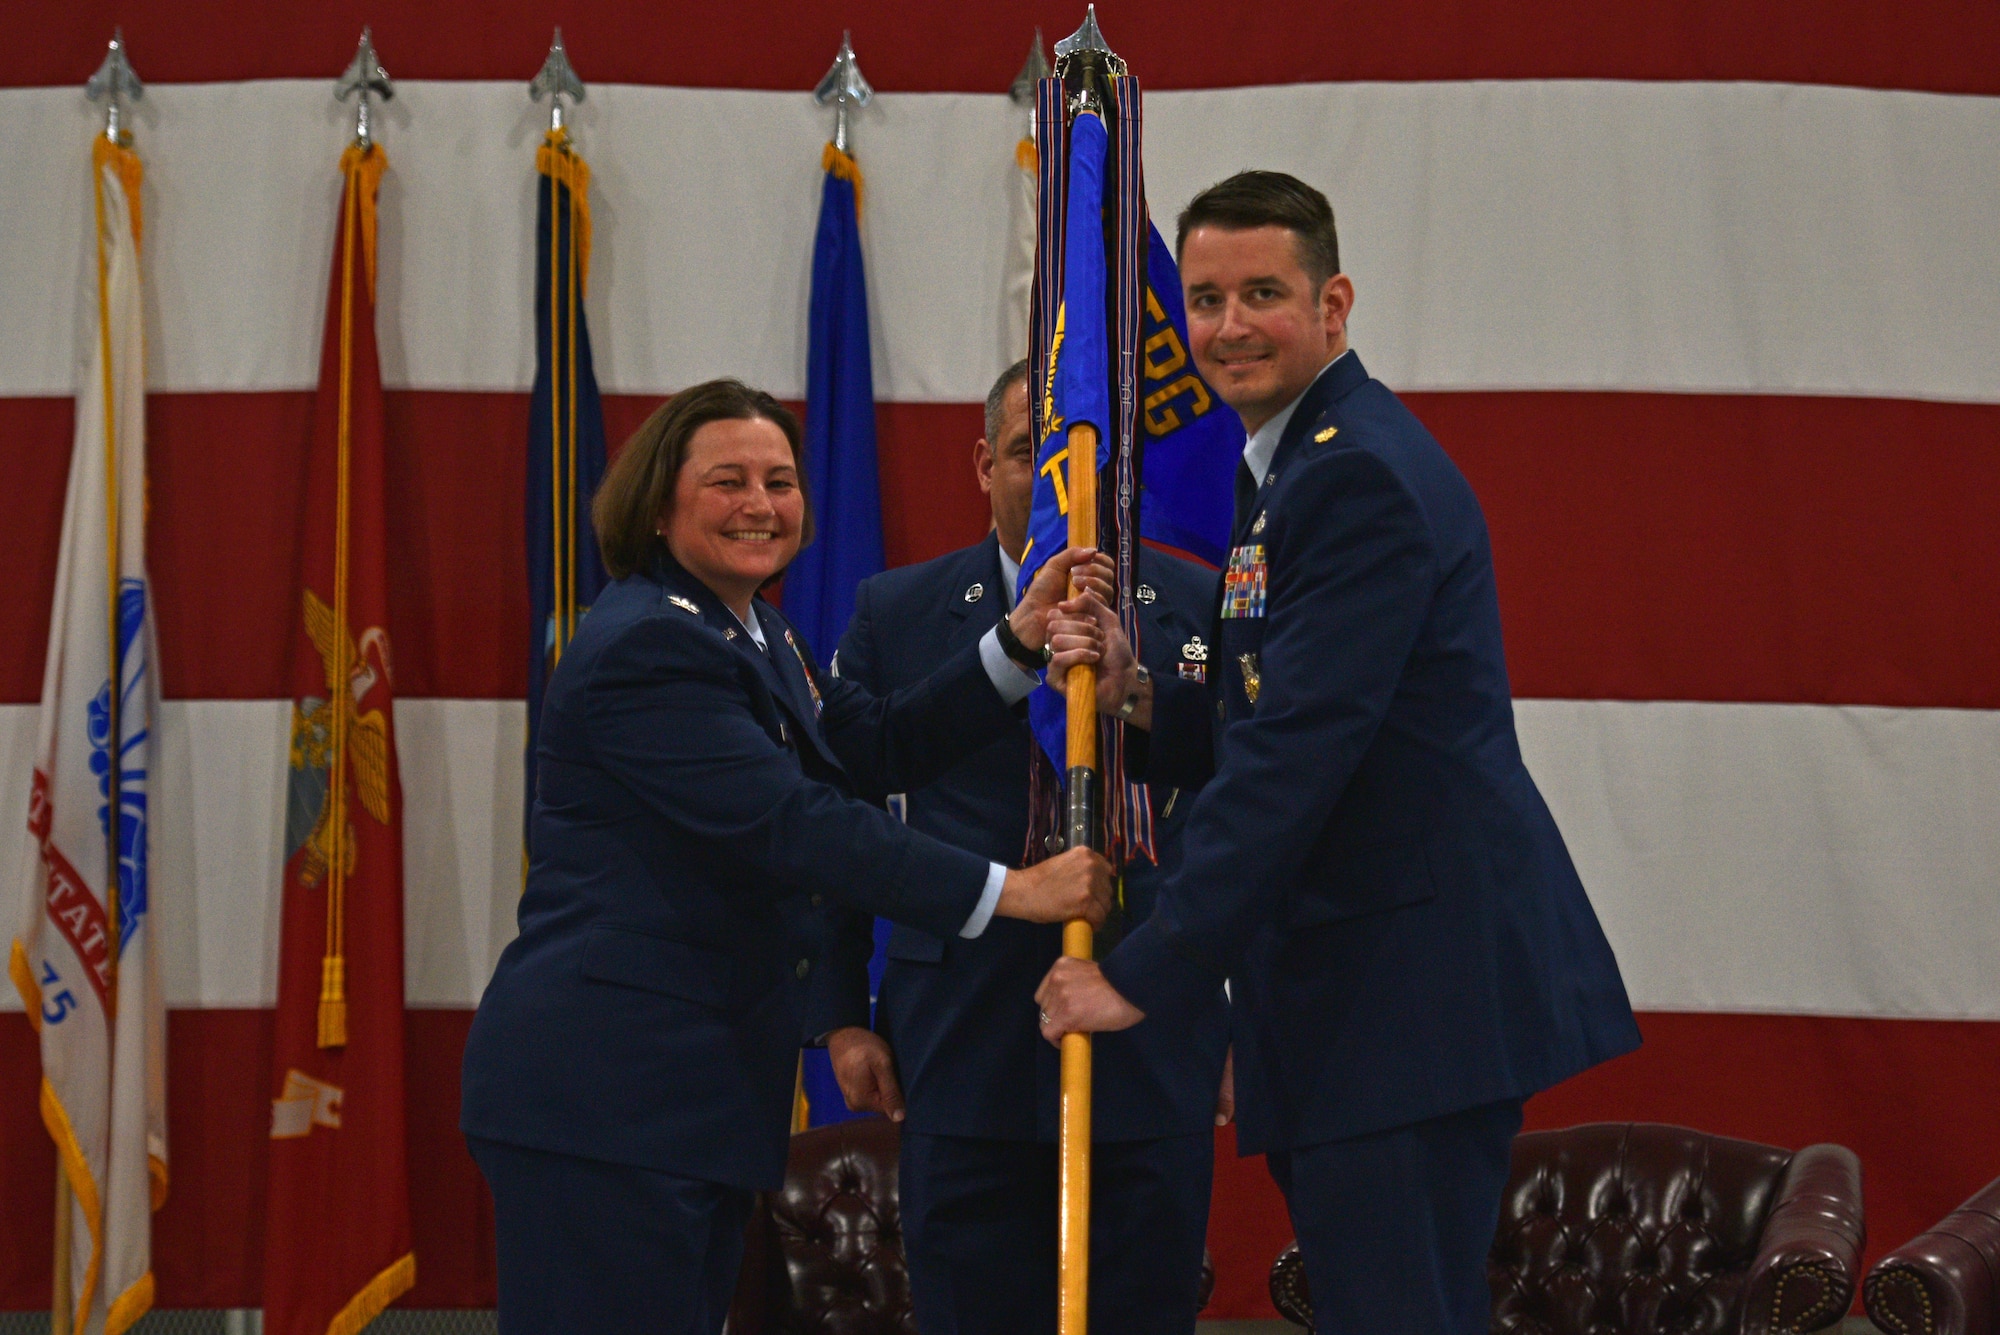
x: 685, y: 604
x: 1144, y: 593
x: 975, y: 593
x: 1257, y: 525
x: 1253, y: 679
x: 1326, y: 435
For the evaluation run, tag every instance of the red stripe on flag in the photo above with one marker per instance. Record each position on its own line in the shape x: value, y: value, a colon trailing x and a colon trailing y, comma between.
x: 1913, y: 1098
x: 1933, y: 45
x: 1649, y: 546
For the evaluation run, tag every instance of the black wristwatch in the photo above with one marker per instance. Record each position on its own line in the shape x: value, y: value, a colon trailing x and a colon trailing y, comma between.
x: 1030, y: 660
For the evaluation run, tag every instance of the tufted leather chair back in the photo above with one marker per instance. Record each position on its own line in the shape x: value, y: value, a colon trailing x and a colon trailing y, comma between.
x: 1643, y: 1229
x: 1629, y: 1228
x: 824, y: 1255
x: 1634, y: 1229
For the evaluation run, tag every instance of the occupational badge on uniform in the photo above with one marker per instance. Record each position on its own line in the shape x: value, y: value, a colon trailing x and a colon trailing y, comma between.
x: 1253, y: 679
x: 806, y: 668
x: 685, y: 604
x: 1257, y: 524
x: 1144, y: 593
x: 1243, y: 583
x: 975, y: 593
x: 1326, y: 435
x: 1194, y: 660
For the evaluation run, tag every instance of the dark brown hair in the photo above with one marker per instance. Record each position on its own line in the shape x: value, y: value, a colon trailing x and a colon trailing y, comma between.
x: 638, y: 488
x: 1269, y: 199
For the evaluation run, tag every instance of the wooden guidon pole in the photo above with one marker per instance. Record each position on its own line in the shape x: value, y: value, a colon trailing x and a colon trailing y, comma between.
x: 1080, y: 694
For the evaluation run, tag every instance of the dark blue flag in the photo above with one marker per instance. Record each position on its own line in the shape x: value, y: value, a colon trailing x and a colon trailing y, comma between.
x: 840, y: 423
x: 1193, y: 439
x: 565, y: 428
x: 841, y: 478
x: 1076, y: 388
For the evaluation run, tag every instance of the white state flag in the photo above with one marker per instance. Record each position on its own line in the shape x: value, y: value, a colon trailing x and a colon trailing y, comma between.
x: 1018, y: 274
x: 84, y: 966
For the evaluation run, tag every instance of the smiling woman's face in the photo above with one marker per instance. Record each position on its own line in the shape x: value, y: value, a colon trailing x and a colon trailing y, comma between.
x: 738, y: 511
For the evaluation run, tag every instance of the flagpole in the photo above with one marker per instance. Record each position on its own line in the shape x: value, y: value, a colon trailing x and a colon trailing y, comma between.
x: 1084, y: 64
x: 1080, y: 698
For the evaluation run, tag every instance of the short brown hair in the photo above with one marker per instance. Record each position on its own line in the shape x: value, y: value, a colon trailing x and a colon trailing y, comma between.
x: 638, y: 488
x: 1269, y: 199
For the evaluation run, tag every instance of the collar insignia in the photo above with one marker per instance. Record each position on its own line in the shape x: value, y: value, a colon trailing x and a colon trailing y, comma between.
x: 685, y: 604
x: 1144, y: 593
x: 1194, y: 651
x: 729, y: 632
x: 975, y: 593
x: 1326, y: 435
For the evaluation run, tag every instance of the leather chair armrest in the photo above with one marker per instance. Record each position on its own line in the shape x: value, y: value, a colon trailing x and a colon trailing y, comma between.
x: 1809, y: 1257
x: 1941, y: 1282
x: 1288, y: 1287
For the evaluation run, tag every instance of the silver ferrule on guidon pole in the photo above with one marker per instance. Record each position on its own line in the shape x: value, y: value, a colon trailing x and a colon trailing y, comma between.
x: 363, y: 79
x: 843, y: 88
x: 113, y: 84
x: 556, y: 81
x: 1033, y: 70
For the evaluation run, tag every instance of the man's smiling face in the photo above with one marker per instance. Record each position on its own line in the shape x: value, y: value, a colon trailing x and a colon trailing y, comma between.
x: 1259, y: 327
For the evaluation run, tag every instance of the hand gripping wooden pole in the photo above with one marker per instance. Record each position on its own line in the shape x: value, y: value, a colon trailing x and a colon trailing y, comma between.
x: 1080, y: 693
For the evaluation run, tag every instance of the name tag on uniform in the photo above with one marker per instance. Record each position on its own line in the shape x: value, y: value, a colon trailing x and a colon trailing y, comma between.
x: 1243, y: 583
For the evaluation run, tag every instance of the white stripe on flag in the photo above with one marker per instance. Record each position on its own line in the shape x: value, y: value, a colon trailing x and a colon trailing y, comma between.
x: 1696, y: 237
x: 1806, y: 859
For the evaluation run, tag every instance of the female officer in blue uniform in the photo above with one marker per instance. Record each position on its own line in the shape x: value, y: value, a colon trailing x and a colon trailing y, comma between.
x: 628, y: 1078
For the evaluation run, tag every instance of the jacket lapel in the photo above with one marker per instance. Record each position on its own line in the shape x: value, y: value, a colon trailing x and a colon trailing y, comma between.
x: 1334, y: 384
x: 786, y: 662
x: 975, y: 602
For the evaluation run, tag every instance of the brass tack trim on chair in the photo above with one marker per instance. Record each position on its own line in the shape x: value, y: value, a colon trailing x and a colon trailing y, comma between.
x: 1877, y: 1297
x: 1810, y: 1319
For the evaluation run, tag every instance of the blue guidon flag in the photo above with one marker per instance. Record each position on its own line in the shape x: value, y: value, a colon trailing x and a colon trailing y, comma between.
x: 1084, y: 345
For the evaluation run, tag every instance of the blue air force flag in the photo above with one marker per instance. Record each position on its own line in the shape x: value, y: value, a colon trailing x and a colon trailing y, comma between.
x: 565, y: 427
x: 840, y: 422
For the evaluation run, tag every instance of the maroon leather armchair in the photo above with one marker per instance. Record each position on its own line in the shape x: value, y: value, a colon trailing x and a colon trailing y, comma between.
x: 1645, y: 1230
x: 1945, y: 1281
x: 825, y: 1253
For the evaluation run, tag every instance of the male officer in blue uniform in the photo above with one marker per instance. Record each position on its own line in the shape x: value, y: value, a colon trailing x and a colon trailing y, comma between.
x: 1411, y: 952
x: 955, y: 1054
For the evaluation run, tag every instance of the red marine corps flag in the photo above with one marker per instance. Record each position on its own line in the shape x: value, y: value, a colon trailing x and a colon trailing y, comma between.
x: 337, y: 1250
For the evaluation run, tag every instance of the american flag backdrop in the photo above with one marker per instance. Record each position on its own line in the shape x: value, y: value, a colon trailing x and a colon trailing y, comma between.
x: 1703, y: 296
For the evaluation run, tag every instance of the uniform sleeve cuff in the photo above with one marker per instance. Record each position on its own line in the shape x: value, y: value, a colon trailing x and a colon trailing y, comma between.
x: 1148, y: 971
x: 989, y: 900
x: 1008, y: 677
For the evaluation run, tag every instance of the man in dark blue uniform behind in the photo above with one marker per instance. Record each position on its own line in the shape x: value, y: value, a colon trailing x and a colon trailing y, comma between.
x: 954, y: 1053
x: 1411, y: 952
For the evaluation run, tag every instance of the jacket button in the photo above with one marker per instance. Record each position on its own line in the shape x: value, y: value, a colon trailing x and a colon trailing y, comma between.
x: 804, y: 968
x: 1220, y: 711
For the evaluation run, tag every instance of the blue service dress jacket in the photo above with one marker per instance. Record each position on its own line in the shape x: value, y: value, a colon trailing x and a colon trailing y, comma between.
x: 695, y: 807
x: 960, y: 1014
x: 1370, y: 861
